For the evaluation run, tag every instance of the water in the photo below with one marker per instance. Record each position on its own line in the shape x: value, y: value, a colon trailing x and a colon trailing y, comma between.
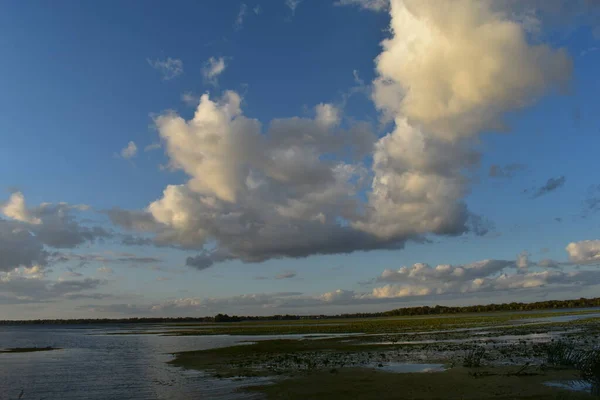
x: 576, y: 386
x: 477, y: 338
x: 561, y: 318
x: 406, y: 368
x: 92, y: 365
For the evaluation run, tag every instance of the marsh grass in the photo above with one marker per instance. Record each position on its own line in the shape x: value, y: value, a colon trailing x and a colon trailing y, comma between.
x: 474, y: 357
x: 379, y: 325
x: 587, y: 361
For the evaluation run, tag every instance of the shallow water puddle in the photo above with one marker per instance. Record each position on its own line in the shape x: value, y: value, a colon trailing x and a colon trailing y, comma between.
x: 406, y: 368
x: 577, y: 386
x: 532, y: 337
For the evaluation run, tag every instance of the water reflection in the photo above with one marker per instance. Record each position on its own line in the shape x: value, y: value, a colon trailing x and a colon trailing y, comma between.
x: 107, y: 367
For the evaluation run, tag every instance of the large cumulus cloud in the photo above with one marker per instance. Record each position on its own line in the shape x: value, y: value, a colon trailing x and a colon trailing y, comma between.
x: 321, y: 185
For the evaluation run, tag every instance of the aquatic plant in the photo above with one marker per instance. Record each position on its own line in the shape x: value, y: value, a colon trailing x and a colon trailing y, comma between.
x: 588, y: 365
x: 587, y: 362
x: 473, y: 357
x: 562, y: 353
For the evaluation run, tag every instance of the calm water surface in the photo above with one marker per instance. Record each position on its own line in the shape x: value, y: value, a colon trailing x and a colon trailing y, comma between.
x: 92, y: 365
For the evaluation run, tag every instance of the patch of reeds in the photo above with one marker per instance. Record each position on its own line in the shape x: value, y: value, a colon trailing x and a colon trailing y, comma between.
x: 586, y: 361
x: 474, y: 357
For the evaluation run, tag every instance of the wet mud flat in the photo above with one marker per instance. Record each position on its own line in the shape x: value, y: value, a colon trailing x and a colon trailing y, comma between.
x: 492, y: 361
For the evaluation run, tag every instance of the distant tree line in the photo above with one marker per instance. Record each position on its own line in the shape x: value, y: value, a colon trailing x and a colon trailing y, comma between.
x: 407, y: 311
x: 540, y: 305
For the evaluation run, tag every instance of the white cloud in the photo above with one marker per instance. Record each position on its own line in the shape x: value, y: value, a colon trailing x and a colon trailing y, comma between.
x: 169, y: 68
x: 105, y: 270
x: 129, y: 151
x: 327, y: 115
x: 454, y: 68
x: 213, y: 68
x: 33, y: 272
x: 584, y: 252
x: 190, y: 99
x: 255, y: 193
x: 487, y: 283
x: 523, y: 259
x: 239, y: 20
x: 286, y: 275
x: 338, y: 295
x: 357, y: 78
x: 444, y: 76
x: 373, y: 5
x: 422, y: 279
x: 152, y: 146
x: 16, y: 209
x: 293, y: 5
x: 257, y: 9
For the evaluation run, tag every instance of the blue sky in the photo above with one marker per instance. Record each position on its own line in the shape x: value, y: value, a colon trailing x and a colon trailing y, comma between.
x: 290, y: 231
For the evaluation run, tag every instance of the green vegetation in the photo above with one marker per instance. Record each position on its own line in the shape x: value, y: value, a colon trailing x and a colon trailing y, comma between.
x: 275, y: 357
x: 27, y: 349
x: 392, y: 325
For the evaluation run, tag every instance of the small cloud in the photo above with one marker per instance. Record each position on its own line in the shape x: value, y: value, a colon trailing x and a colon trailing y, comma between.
x: 105, y: 270
x: 588, y: 51
x: 190, y: 99
x: 199, y: 262
x: 357, y: 78
x: 523, y: 259
x: 153, y: 146
x: 129, y: 151
x: 16, y: 209
x: 260, y: 278
x: 163, y: 278
x: 212, y: 69
x: 286, y: 275
x: 239, y: 20
x: 372, y: 5
x: 257, y: 10
x: 548, y: 263
x: 169, y: 68
x: 479, y: 225
x: 507, y: 171
x: 551, y: 185
x: 292, y: 5
x: 584, y: 252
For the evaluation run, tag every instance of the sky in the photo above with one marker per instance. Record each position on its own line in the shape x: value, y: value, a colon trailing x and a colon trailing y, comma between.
x: 296, y: 156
